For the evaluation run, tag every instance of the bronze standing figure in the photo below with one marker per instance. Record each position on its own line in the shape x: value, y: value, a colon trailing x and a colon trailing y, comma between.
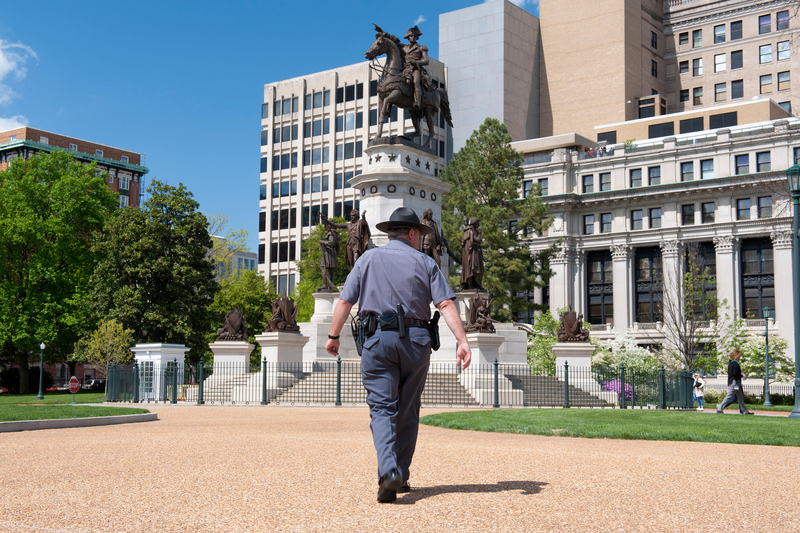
x: 330, y: 256
x: 358, y: 235
x: 472, y: 257
x: 432, y: 243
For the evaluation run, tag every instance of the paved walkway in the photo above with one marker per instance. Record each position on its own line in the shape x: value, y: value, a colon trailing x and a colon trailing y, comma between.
x: 245, y: 469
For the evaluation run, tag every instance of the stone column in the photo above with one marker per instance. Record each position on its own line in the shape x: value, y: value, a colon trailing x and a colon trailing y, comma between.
x: 561, y: 284
x: 728, y: 275
x: 672, y: 296
x: 621, y: 255
x: 784, y: 286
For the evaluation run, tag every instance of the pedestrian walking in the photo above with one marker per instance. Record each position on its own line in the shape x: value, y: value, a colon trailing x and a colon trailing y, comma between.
x: 698, y: 386
x: 394, y: 286
x: 734, y: 385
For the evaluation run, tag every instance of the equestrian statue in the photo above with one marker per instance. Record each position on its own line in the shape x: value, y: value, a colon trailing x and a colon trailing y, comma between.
x: 405, y: 83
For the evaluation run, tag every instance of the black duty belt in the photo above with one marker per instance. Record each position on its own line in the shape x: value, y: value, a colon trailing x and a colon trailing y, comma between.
x: 392, y: 324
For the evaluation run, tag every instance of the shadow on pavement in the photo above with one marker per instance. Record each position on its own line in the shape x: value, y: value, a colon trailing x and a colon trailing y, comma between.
x: 420, y: 493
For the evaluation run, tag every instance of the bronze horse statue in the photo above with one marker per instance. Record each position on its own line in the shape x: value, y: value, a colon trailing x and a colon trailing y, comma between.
x: 393, y: 90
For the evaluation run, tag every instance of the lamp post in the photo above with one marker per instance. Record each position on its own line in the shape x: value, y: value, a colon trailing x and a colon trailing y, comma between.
x: 793, y: 177
x: 41, y: 371
x: 767, y: 315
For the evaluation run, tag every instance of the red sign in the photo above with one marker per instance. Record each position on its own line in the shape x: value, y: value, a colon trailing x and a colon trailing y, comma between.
x: 74, y: 385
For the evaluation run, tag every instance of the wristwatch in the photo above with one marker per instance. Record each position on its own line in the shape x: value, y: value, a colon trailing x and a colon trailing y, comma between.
x: 333, y: 337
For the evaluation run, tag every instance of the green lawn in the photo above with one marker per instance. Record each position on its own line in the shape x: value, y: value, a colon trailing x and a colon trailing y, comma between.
x: 55, y: 397
x: 636, y: 424
x: 13, y: 413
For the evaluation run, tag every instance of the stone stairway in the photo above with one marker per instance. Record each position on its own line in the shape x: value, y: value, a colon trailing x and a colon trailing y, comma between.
x: 549, y: 391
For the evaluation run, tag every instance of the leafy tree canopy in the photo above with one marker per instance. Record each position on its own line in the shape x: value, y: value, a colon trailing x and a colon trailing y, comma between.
x: 226, y: 242
x: 109, y: 344
x: 51, y: 207
x: 156, y: 277
x: 487, y: 176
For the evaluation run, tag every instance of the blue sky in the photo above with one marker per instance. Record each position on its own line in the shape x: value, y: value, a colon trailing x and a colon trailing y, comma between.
x: 182, y: 82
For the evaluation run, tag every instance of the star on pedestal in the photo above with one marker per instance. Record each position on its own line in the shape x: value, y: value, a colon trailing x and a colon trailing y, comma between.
x: 417, y: 161
x: 427, y: 165
x: 378, y: 158
x: 392, y: 157
x: 408, y: 159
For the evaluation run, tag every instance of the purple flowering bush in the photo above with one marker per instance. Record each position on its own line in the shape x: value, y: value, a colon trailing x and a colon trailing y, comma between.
x: 615, y: 385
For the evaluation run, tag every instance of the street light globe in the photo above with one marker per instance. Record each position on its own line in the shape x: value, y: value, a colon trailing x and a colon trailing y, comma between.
x: 793, y: 177
x: 41, y: 346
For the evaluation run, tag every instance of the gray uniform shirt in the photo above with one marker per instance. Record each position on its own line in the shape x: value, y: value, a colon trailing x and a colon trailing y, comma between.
x: 396, y: 274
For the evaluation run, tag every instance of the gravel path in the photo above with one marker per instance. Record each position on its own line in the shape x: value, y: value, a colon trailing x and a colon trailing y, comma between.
x: 232, y: 469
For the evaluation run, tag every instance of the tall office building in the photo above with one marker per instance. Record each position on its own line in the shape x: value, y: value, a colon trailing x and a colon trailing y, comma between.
x: 314, y: 131
x: 492, y: 56
x: 125, y: 172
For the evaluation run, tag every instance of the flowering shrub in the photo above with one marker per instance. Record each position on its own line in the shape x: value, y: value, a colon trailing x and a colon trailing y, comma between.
x: 615, y: 386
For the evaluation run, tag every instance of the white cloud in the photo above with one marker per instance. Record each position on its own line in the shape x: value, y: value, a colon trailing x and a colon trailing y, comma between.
x: 12, y: 66
x: 532, y: 6
x: 420, y: 20
x: 13, y: 123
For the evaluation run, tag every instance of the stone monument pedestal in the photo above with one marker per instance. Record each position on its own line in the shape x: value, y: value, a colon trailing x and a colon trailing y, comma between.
x: 463, y: 298
x: 284, y: 354
x: 231, y: 357
x: 478, y: 378
x: 577, y: 354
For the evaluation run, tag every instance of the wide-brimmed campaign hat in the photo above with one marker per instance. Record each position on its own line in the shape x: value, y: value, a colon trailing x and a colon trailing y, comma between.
x: 404, y: 217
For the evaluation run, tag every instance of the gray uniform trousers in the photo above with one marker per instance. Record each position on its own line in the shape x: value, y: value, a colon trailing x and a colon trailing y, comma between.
x: 394, y: 372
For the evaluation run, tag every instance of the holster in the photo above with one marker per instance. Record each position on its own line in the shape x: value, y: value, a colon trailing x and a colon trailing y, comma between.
x: 433, y: 328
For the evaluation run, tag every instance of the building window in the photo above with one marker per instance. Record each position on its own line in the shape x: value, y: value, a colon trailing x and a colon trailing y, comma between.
x: 765, y: 83
x: 764, y: 24
x: 600, y: 287
x: 543, y: 185
x: 706, y: 169
x: 636, y: 219
x: 707, y: 213
x: 605, y: 181
x: 73, y: 147
x: 720, y: 63
x: 737, y: 89
x: 697, y: 66
x: 763, y: 161
x: 588, y: 183
x: 742, y: 164
x: 698, y: 96
x: 654, y: 175
x: 636, y: 177
x: 758, y: 277
x: 605, y: 223
x: 123, y: 201
x: 684, y: 95
x: 124, y: 159
x: 655, y: 217
x: 683, y: 38
x: 683, y: 67
x: 764, y: 206
x: 264, y: 111
x: 784, y: 81
x: 687, y: 214
x: 98, y: 153
x: 765, y: 54
x: 653, y: 68
x: 784, y: 50
x: 653, y: 40
x: 691, y: 125
x: 782, y: 20
x: 687, y: 171
x: 719, y: 33
x: 697, y: 38
x: 661, y: 130
x: 743, y: 209
x: 786, y: 106
x: 588, y: 224
x: 737, y: 59
x: 124, y: 183
x: 649, y: 284
x: 527, y: 187
x: 736, y: 30
x: 720, y: 92
x: 701, y: 259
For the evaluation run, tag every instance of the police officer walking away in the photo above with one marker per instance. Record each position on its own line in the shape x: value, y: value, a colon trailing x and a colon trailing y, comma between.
x: 395, y: 285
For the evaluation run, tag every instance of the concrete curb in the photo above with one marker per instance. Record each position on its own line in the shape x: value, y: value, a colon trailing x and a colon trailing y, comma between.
x: 27, y: 425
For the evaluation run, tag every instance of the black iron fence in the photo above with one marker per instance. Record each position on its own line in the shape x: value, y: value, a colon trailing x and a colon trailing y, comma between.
x: 335, y: 383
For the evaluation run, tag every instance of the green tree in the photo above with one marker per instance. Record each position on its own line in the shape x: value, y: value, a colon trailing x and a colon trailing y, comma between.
x: 623, y: 349
x: 487, y: 176
x: 541, y: 341
x: 736, y: 335
x: 51, y: 207
x: 309, y: 268
x: 109, y: 344
x: 156, y: 277
x: 253, y: 296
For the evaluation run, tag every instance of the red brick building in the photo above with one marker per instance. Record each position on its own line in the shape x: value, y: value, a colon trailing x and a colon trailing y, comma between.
x: 125, y: 170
